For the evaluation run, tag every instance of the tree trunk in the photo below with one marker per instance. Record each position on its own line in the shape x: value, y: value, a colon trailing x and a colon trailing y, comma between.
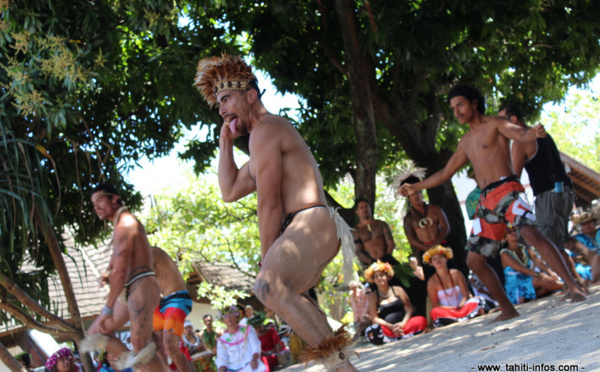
x: 357, y: 72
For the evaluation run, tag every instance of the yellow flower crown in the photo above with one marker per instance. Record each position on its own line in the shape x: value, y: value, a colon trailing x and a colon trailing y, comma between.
x: 378, y: 266
x: 438, y: 249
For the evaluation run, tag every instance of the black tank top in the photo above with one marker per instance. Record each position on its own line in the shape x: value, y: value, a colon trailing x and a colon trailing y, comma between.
x: 392, y: 312
x: 546, y: 168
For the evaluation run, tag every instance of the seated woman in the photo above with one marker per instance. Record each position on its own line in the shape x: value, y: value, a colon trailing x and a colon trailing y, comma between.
x: 389, y: 308
x: 447, y: 289
x: 238, y: 348
x: 521, y: 281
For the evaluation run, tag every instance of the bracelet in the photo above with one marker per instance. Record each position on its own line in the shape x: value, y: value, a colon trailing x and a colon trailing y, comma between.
x: 107, y: 310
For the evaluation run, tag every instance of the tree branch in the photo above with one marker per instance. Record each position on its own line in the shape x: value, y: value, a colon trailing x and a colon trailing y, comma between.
x: 10, y: 361
x: 32, y: 304
x: 29, y: 322
x: 62, y: 271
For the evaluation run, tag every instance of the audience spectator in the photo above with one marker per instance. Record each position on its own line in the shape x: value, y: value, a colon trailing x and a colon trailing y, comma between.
x: 584, y: 248
x: 193, y: 343
x: 447, y: 288
x: 113, y: 364
x: 526, y: 275
x: 360, y: 308
x: 389, y: 308
x: 425, y: 225
x: 238, y: 348
x: 209, y: 336
x: 248, y: 314
x: 373, y: 238
x: 270, y: 342
x: 25, y: 360
x: 61, y: 361
x: 104, y: 364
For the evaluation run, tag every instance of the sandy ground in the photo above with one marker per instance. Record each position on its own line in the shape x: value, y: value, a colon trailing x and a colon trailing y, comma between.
x: 550, y: 335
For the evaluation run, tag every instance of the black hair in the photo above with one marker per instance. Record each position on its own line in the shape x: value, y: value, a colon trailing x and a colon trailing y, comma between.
x: 470, y: 94
x: 360, y: 200
x: 254, y: 85
x: 207, y: 316
x: 25, y: 358
x: 410, y: 180
x: 107, y: 188
x: 512, y: 110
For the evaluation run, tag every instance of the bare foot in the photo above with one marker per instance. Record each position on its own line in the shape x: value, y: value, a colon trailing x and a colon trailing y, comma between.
x: 506, y: 315
x: 576, y: 295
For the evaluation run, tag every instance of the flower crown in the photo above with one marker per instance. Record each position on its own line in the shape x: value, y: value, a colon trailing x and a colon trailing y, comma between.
x: 438, y: 249
x: 229, y: 310
x: 378, y: 266
x: 62, y: 353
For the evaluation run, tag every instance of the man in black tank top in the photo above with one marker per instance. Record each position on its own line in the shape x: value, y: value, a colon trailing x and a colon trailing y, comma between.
x: 549, y: 181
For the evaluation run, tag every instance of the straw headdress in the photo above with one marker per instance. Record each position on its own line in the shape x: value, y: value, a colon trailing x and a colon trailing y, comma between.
x: 217, y: 74
x: 584, y: 217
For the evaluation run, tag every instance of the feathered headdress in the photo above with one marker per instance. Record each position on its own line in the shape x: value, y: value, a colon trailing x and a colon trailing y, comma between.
x: 217, y: 74
x: 410, y: 173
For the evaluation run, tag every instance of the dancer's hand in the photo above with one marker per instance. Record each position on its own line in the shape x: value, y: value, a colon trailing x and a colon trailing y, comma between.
x: 406, y: 189
x: 540, y: 131
x: 104, y: 279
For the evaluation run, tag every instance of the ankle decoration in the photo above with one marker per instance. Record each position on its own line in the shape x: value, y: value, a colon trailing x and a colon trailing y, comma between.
x: 143, y: 357
x: 94, y: 342
x: 333, y: 352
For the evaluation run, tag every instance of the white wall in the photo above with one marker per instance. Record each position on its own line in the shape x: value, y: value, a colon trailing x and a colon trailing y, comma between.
x: 198, y: 311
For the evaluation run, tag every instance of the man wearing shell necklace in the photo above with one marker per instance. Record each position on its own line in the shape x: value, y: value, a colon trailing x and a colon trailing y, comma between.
x: 425, y: 225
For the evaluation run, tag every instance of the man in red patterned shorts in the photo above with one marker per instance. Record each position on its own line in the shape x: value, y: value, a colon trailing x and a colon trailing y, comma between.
x: 501, y: 202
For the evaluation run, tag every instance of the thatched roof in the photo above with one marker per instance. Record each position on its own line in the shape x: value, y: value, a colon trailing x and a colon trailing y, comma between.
x: 586, y: 181
x: 222, y: 274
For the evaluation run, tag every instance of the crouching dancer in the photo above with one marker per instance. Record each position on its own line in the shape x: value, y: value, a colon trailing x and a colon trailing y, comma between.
x: 132, y: 279
x: 299, y: 234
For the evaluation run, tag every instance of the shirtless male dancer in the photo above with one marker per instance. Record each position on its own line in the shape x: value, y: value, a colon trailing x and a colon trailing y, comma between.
x: 175, y: 305
x: 486, y: 146
x: 169, y: 315
x: 373, y: 238
x: 132, y: 275
x: 298, y: 233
